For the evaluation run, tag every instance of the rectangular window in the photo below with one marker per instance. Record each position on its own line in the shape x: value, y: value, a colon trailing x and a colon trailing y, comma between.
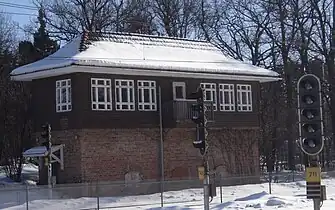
x: 124, y: 94
x: 210, y: 93
x: 101, y: 94
x: 227, y: 97
x: 244, y: 98
x: 146, y: 95
x: 179, y: 90
x: 63, y: 95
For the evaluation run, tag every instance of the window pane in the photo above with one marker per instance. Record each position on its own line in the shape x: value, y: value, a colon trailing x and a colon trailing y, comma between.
x: 146, y: 95
x: 101, y: 82
x: 58, y: 96
x: 153, y: 95
x: 101, y: 94
x: 94, y: 98
x: 70, y: 95
x: 208, y: 95
x: 179, y: 92
x: 140, y: 93
x: 108, y: 95
x: 124, y: 96
x: 226, y: 97
x: 244, y: 98
x: 118, y: 95
x: 63, y: 95
x: 131, y: 91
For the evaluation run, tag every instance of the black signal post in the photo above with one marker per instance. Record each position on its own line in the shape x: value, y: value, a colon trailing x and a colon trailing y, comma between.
x: 311, y: 133
x: 199, y: 118
x: 46, y: 135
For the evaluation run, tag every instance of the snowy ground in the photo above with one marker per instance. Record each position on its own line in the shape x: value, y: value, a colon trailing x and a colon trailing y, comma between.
x: 288, y: 196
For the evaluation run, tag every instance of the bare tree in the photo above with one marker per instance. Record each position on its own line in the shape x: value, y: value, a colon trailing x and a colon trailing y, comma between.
x: 176, y: 17
x: 68, y: 18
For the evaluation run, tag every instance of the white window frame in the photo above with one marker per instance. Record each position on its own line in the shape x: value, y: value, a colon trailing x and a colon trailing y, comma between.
x: 107, y: 87
x: 152, y: 95
x: 212, y: 90
x: 68, y: 94
x: 179, y: 84
x: 130, y: 87
x: 246, y: 89
x: 227, y: 106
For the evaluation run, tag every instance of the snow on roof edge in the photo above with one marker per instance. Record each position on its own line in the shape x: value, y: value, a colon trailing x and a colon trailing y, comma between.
x: 145, y: 72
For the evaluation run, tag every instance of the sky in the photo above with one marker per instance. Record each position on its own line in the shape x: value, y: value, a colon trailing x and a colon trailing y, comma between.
x: 22, y: 16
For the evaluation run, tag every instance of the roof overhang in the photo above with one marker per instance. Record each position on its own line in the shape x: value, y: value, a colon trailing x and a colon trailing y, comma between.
x: 138, y: 71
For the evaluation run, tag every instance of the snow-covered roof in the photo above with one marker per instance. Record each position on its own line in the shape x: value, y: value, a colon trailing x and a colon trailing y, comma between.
x: 160, y: 56
x: 39, y: 151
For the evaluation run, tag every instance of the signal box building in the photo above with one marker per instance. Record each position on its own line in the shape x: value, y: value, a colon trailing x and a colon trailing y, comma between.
x: 119, y: 108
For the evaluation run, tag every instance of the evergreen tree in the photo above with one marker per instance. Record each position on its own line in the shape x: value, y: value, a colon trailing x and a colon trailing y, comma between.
x: 42, y: 45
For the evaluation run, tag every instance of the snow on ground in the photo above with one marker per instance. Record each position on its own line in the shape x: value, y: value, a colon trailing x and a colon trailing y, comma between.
x: 288, y: 196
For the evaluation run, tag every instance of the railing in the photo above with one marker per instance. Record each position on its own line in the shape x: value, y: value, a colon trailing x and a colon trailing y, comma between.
x: 182, y: 111
x: 145, y: 194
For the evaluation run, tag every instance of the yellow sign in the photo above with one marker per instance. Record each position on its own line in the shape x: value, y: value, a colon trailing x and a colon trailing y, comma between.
x: 313, y: 174
x: 201, y: 172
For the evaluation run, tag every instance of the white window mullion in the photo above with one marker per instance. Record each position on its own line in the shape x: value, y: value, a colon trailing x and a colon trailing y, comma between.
x: 63, y: 106
x: 227, y: 90
x: 107, y: 90
x: 128, y: 105
x: 244, y: 106
x: 151, y: 88
x: 210, y: 88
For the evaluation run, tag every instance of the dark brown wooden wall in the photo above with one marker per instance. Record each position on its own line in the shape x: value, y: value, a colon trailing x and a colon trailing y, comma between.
x: 82, y: 116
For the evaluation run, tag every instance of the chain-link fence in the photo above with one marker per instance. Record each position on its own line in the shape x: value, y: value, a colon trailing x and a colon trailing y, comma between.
x: 104, y: 195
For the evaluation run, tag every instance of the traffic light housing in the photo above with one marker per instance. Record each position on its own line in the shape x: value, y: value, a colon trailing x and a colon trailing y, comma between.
x: 310, y: 114
x: 198, y: 111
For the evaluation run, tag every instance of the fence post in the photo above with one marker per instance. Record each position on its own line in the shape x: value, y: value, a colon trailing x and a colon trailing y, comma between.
x: 221, y: 188
x: 270, y: 181
x: 98, y: 195
x: 27, y: 198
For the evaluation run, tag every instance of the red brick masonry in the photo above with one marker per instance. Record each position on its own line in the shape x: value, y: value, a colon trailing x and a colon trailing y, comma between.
x: 109, y: 154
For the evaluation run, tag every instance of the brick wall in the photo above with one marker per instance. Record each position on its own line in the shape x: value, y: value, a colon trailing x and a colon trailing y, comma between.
x: 109, y: 154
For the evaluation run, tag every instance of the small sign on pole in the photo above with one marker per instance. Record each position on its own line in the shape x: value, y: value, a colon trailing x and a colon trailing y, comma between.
x: 313, y: 182
x: 201, y: 173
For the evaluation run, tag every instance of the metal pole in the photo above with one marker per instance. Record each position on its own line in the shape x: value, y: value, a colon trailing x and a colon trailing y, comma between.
x: 270, y: 181
x: 27, y: 198
x: 314, y: 162
x: 98, y: 195
x: 206, y: 185
x: 161, y: 144
x: 221, y: 192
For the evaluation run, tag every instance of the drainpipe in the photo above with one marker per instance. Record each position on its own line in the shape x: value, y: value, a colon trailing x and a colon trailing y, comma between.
x: 161, y: 143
